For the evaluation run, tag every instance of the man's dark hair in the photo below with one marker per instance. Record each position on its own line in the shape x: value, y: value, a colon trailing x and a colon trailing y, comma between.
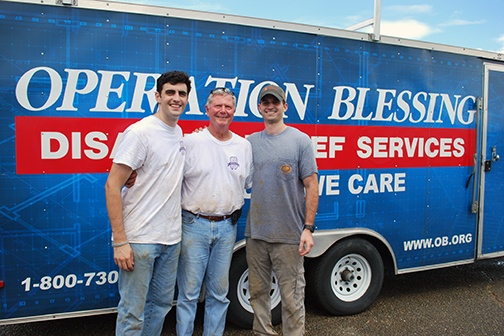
x: 173, y: 77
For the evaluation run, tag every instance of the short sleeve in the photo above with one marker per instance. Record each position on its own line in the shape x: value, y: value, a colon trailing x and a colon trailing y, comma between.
x: 131, y: 151
x: 307, y: 162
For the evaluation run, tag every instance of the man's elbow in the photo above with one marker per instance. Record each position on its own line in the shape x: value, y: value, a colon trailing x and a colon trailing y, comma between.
x: 110, y: 188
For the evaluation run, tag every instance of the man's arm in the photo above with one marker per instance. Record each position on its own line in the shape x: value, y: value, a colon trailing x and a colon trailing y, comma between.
x: 311, y: 187
x: 119, y: 174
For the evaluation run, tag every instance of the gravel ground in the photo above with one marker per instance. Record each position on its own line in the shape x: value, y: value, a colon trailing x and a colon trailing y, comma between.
x: 461, y: 300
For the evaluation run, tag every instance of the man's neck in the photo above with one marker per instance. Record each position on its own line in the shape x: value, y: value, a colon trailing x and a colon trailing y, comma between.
x: 221, y: 134
x: 274, y: 129
x: 172, y: 122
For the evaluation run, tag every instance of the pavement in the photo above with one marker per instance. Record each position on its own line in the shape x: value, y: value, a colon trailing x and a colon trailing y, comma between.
x: 460, y: 300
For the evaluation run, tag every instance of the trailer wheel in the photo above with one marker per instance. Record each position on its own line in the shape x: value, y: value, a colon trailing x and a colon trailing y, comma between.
x: 240, y: 311
x: 349, y: 277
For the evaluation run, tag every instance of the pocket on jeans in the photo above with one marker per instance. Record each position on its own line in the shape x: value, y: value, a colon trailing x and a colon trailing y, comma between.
x: 187, y: 218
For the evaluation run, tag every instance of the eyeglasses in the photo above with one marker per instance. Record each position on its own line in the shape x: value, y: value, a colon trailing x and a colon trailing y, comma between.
x: 222, y: 90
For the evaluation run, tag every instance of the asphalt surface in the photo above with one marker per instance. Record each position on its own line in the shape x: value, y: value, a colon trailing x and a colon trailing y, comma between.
x: 461, y: 300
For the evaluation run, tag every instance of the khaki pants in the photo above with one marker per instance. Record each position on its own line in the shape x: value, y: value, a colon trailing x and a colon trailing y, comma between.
x: 284, y: 259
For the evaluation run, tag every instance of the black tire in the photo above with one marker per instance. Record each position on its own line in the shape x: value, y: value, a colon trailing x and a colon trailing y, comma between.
x: 240, y: 311
x: 348, y: 277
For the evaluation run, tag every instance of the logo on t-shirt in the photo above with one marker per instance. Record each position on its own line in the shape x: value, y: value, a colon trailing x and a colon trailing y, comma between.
x: 182, y: 149
x: 286, y: 169
x: 233, y: 163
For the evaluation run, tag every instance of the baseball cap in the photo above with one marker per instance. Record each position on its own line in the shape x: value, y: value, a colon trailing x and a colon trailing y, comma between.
x: 273, y: 90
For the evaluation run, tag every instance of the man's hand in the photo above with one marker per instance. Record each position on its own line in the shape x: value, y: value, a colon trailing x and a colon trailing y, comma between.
x: 131, y: 180
x: 199, y: 129
x: 306, y: 243
x: 123, y: 257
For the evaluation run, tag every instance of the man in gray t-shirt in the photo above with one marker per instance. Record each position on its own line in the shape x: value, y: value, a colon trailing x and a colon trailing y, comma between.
x: 281, y: 220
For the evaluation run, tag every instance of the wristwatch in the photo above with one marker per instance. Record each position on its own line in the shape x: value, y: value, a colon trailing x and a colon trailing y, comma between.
x: 309, y: 227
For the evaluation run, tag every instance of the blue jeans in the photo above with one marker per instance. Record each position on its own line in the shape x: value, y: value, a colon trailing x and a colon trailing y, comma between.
x: 207, y: 249
x: 147, y: 291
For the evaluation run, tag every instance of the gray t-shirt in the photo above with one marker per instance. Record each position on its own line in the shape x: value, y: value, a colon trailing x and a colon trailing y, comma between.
x: 277, y: 206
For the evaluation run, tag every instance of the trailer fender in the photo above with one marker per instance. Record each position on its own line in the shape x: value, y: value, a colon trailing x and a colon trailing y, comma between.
x: 324, y: 239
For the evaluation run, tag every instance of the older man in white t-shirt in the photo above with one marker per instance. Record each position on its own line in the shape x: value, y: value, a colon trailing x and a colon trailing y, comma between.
x: 217, y: 170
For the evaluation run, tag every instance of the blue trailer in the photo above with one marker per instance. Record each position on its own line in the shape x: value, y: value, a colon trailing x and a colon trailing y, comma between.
x: 407, y: 136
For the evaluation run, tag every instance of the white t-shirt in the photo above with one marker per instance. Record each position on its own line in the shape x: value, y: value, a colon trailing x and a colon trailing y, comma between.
x: 215, y: 174
x: 151, y: 208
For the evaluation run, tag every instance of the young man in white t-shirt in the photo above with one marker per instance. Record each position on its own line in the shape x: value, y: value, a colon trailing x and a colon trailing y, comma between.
x: 146, y: 218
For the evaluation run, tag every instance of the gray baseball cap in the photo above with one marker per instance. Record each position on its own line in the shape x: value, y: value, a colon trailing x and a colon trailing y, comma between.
x: 273, y: 90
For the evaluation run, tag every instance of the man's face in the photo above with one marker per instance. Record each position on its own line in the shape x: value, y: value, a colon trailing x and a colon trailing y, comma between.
x: 272, y: 109
x: 221, y: 110
x: 172, y: 100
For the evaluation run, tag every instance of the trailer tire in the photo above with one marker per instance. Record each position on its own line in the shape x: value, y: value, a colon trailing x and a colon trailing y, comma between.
x: 240, y: 311
x: 349, y: 277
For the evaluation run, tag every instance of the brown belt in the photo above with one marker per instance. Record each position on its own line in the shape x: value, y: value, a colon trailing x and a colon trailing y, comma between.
x: 212, y: 218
